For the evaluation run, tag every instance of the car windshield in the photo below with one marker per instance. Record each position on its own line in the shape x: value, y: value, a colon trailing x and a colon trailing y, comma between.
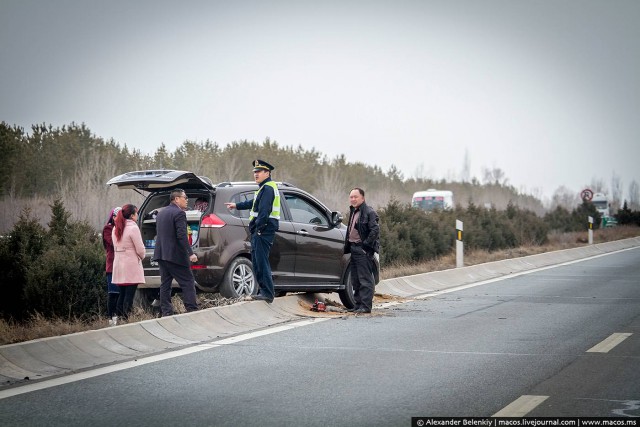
x: 428, y: 203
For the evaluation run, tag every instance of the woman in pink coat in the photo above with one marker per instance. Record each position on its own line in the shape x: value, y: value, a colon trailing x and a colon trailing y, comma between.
x: 127, y: 263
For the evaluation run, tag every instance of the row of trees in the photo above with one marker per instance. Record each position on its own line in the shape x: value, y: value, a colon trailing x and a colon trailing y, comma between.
x: 72, y: 163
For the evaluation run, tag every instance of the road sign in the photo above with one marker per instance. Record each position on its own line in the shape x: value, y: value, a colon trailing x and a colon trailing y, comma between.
x: 586, y: 194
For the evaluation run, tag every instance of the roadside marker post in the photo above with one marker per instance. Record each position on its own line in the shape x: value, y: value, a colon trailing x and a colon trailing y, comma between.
x: 591, y: 230
x: 459, y: 245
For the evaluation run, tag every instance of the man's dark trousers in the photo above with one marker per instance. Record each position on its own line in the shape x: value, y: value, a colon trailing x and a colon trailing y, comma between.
x: 260, y: 249
x: 362, y: 278
x: 169, y: 271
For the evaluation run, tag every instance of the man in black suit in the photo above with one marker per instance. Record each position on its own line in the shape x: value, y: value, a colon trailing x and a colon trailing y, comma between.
x: 174, y: 254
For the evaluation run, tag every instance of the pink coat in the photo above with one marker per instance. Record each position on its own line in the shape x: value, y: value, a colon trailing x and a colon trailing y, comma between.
x: 129, y: 252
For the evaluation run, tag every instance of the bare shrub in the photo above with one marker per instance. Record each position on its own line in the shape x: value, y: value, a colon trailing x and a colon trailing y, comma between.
x: 331, y: 189
x: 85, y: 195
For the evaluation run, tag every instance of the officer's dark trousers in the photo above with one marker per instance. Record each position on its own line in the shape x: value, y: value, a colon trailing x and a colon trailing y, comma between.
x: 260, y: 248
x: 183, y: 275
x: 362, y: 278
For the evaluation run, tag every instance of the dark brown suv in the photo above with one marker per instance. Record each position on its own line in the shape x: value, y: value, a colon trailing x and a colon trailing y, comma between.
x: 307, y: 254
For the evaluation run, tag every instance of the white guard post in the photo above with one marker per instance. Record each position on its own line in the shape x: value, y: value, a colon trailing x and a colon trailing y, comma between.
x: 591, y: 230
x: 459, y: 245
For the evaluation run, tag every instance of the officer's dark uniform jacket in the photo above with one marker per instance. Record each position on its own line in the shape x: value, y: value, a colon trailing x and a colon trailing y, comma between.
x: 367, y: 227
x: 262, y: 223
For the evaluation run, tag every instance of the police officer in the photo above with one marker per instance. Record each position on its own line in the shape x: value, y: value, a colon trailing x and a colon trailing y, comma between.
x: 263, y: 224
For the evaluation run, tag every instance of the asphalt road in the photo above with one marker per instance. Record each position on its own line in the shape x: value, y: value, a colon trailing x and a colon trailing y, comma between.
x: 529, y: 345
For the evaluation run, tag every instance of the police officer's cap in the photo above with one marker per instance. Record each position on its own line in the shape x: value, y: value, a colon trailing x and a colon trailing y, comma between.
x: 259, y: 165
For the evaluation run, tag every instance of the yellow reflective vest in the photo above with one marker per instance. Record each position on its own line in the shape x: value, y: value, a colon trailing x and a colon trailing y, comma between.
x: 275, y: 207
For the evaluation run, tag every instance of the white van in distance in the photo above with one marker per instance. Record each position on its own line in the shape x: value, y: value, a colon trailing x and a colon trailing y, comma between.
x: 432, y: 199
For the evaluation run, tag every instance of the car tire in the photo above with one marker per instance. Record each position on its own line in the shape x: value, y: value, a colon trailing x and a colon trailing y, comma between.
x: 346, y: 294
x: 239, y: 279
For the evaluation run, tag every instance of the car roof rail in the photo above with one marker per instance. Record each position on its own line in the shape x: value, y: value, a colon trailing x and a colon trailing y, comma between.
x: 232, y: 183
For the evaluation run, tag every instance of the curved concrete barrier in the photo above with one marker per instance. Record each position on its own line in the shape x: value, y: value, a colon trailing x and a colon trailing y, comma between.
x: 419, y: 284
x: 66, y: 354
x: 47, y: 357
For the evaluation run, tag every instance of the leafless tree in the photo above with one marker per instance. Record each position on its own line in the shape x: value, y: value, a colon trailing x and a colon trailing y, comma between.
x: 494, y: 175
x: 419, y: 173
x: 598, y: 185
x: 229, y: 168
x: 565, y: 198
x: 87, y: 197
x: 331, y: 188
x: 634, y: 196
x: 616, y: 192
x: 465, y: 175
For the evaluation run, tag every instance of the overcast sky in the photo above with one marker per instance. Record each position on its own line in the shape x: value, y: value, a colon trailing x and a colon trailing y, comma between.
x: 547, y: 91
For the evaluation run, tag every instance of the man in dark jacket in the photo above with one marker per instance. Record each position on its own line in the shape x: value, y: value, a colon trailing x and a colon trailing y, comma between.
x: 174, y: 254
x: 362, y: 241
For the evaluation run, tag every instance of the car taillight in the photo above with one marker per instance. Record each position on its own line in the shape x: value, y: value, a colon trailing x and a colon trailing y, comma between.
x: 212, y: 221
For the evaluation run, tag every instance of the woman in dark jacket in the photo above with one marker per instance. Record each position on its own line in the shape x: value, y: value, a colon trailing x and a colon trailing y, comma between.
x: 112, y: 290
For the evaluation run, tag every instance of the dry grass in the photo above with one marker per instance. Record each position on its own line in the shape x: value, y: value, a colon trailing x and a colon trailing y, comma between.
x: 39, y: 327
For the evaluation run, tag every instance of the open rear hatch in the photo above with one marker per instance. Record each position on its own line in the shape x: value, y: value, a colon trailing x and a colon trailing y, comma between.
x: 153, y: 180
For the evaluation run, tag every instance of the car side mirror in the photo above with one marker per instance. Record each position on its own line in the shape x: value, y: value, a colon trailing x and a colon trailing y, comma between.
x: 336, y: 218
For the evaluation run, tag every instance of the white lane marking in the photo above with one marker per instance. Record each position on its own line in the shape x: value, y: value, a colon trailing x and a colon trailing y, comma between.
x: 521, y: 406
x: 28, y: 388
x: 608, y: 343
x: 512, y: 275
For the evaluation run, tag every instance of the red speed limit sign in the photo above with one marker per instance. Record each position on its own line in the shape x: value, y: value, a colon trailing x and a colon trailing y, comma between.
x: 586, y: 194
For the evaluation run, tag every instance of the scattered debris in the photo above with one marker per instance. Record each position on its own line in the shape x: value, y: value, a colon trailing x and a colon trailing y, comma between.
x: 319, y: 306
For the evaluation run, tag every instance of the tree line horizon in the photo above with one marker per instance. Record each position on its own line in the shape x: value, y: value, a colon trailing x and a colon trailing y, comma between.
x: 75, y: 164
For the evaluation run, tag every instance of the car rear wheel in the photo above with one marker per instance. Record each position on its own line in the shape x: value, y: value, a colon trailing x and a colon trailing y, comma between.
x: 239, y: 280
x: 346, y: 295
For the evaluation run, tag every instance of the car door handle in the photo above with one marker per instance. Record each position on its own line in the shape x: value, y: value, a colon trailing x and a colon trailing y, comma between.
x: 302, y: 233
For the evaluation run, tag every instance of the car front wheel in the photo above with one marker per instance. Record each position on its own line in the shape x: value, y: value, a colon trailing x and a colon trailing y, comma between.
x: 239, y: 280
x: 346, y: 295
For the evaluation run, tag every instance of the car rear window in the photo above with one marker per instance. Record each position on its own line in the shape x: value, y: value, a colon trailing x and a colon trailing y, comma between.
x: 238, y: 198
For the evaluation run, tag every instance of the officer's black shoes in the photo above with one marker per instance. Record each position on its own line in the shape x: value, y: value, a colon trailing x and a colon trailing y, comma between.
x: 261, y: 298
x: 362, y: 310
